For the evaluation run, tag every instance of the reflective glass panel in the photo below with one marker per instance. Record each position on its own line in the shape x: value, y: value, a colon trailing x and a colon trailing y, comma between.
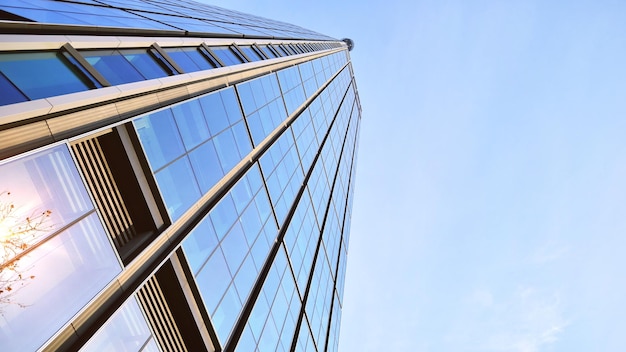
x: 226, y: 54
x: 113, y: 66
x: 250, y: 52
x: 178, y: 187
x: 189, y: 59
x: 144, y: 63
x: 206, y: 165
x: 191, y: 124
x: 69, y: 257
x: 160, y: 138
x: 42, y: 74
x: 268, y: 51
x: 10, y: 93
x: 126, y: 331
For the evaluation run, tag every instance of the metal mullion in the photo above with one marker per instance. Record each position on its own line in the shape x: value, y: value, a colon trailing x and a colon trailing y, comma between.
x: 207, y: 54
x: 239, y: 53
x: 69, y: 50
x: 258, y: 50
x: 165, y: 56
x: 215, y: 57
x: 274, y: 50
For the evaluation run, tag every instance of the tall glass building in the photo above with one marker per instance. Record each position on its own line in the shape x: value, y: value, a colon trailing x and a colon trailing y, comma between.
x: 173, y: 177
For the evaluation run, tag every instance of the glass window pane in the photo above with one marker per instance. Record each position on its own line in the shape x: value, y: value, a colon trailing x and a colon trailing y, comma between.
x: 159, y: 137
x: 178, y: 187
x: 144, y: 63
x: 227, y: 150
x: 231, y: 104
x: 47, y: 180
x: 200, y: 244
x: 42, y: 74
x: 191, y: 124
x: 268, y: 51
x: 213, y: 280
x: 113, y: 66
x: 10, y: 93
x: 235, y: 247
x: 125, y: 331
x: 250, y: 52
x: 189, y: 59
x: 227, y: 312
x: 223, y: 215
x: 67, y: 271
x: 214, y: 113
x: 206, y: 166
x: 227, y: 56
x: 241, y: 138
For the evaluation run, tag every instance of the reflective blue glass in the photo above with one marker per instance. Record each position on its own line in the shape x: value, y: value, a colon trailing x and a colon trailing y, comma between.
x: 235, y: 247
x: 213, y: 280
x: 223, y: 318
x: 125, y: 66
x: 246, y: 276
x: 242, y: 139
x: 42, y: 74
x: 199, y: 244
x: 191, y: 123
x: 126, y: 331
x: 251, y: 53
x: 72, y: 13
x: 178, y: 187
x: 227, y: 150
x: 231, y: 105
x: 186, y: 23
x: 113, y: 66
x: 214, y: 113
x: 227, y: 55
x: 10, y: 93
x: 268, y: 51
x: 223, y: 215
x: 144, y: 63
x: 189, y: 59
x: 206, y: 166
x: 159, y: 137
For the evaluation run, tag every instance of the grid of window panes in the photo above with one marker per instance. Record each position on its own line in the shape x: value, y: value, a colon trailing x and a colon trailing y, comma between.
x: 192, y: 145
x: 272, y: 323
x: 58, y: 256
x: 275, y: 331
x: 228, y: 248
x: 320, y: 290
x: 173, y: 15
x: 59, y: 73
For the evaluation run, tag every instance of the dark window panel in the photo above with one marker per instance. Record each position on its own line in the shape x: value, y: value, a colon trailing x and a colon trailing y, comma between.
x: 113, y: 66
x: 268, y: 51
x: 42, y: 74
x: 252, y: 54
x: 125, y: 66
x: 227, y: 55
x: 144, y: 63
x: 10, y: 93
x: 190, y: 59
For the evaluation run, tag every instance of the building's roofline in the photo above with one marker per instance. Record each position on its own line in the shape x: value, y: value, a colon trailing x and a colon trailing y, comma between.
x: 22, y: 27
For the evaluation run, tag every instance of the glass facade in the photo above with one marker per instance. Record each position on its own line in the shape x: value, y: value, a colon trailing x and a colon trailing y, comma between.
x: 218, y: 220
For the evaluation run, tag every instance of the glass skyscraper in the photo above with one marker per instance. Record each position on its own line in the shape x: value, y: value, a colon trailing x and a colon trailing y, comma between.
x: 173, y: 177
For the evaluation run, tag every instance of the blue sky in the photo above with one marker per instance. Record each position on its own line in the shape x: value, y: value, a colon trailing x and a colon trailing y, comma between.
x: 490, y: 209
